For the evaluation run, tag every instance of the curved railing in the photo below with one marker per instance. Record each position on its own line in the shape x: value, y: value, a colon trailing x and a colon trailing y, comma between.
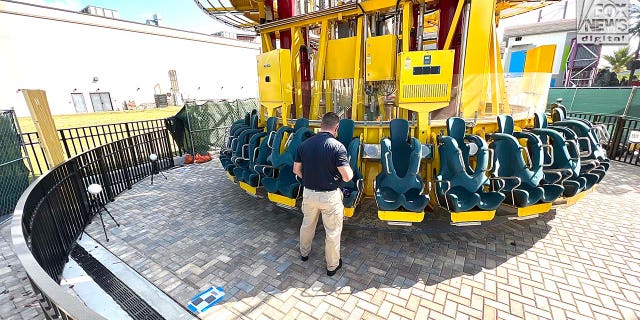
x: 54, y: 210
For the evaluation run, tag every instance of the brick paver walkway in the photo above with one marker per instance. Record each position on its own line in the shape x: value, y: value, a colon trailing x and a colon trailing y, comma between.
x: 197, y: 229
x: 17, y: 300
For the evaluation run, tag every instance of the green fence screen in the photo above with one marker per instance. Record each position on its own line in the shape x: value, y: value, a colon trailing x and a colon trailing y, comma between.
x: 202, y: 127
x: 597, y: 100
x: 14, y: 174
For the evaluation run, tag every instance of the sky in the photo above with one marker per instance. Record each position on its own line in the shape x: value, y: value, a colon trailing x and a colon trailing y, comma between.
x: 179, y: 14
x: 185, y: 14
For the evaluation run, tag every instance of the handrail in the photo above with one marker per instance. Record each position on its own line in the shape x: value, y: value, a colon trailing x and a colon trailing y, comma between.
x: 124, y: 160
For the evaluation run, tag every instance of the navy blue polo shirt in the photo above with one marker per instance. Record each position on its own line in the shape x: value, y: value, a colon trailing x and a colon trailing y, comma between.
x: 321, y: 155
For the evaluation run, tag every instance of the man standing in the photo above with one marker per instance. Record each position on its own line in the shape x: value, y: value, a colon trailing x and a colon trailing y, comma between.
x: 322, y: 163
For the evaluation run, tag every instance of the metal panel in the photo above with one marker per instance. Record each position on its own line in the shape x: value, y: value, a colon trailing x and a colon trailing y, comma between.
x: 340, y: 57
x: 425, y: 76
x: 380, y: 60
x: 274, y: 77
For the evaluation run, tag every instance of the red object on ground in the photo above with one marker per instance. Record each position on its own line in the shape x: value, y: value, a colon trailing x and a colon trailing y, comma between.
x: 188, y: 159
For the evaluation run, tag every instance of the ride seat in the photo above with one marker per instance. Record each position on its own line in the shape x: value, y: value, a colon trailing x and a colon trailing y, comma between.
x: 258, y: 151
x: 459, y: 185
x: 250, y: 121
x: 589, y: 138
x: 353, y: 189
x: 565, y: 159
x: 399, y: 185
x: 239, y: 156
x: 521, y: 182
x: 285, y: 182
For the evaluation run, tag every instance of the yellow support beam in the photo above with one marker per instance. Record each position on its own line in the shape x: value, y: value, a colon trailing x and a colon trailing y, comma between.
x: 476, y: 61
x: 266, y: 42
x: 407, y: 22
x: 318, y: 78
x: 454, y: 24
x: 357, y: 99
x: 296, y: 42
x: 494, y: 60
x: 46, y: 127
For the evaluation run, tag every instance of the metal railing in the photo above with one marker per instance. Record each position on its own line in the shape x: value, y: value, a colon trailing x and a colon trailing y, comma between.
x: 54, y: 210
x: 78, y: 140
x: 620, y: 146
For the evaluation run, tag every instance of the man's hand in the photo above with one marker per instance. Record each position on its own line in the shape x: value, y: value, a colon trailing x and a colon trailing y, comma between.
x: 345, y: 171
x: 297, y: 169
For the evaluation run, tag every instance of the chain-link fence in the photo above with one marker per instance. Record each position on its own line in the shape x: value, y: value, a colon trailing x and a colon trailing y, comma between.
x: 14, y: 173
x: 202, y: 127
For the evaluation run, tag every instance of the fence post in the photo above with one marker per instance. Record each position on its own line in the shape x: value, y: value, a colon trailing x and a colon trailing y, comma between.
x: 626, y: 108
x: 81, y: 191
x: 64, y: 143
x: 105, y: 174
x: 168, y: 145
x: 124, y: 166
x: 616, y: 137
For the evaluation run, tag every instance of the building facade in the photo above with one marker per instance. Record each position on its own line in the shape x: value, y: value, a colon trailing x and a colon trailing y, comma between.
x: 89, y: 63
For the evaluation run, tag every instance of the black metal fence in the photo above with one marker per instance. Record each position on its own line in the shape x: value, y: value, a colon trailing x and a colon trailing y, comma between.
x: 77, y: 140
x: 53, y: 212
x: 623, y: 141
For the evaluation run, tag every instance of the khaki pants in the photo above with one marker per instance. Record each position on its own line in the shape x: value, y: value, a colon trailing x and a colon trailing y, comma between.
x: 329, y: 204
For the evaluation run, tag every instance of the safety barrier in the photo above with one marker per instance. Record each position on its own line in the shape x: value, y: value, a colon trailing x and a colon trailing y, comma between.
x: 80, y: 139
x: 54, y: 210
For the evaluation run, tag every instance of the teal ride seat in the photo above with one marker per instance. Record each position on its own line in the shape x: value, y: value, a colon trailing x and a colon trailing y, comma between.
x: 458, y: 185
x: 564, y: 159
x: 284, y: 181
x: 353, y: 189
x: 521, y: 183
x: 239, y: 155
x: 257, y: 153
x: 399, y: 185
x: 588, y: 138
x: 250, y: 121
x: 297, y: 135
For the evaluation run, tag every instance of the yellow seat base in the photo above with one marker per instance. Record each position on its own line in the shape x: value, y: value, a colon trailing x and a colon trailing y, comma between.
x: 529, y: 211
x: 472, y: 216
x: 402, y: 216
x: 248, y: 188
x: 565, y: 202
x: 348, y: 212
x: 230, y: 177
x: 282, y: 200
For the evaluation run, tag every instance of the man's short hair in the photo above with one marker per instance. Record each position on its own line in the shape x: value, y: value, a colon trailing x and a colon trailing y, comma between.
x: 330, y: 120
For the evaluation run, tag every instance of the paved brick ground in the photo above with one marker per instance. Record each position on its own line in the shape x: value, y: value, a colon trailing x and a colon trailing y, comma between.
x: 197, y: 229
x: 17, y: 300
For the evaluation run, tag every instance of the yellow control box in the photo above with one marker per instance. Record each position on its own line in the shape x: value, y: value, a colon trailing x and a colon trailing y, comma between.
x: 275, y: 82
x: 424, y: 76
x: 380, y: 59
x: 341, y: 57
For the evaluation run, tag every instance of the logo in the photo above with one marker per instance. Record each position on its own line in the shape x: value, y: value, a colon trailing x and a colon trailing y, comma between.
x: 603, y: 21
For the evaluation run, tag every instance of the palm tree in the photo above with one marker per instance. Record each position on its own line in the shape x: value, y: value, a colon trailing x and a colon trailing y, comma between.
x: 619, y: 59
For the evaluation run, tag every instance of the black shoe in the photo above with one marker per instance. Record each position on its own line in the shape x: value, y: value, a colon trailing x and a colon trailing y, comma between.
x: 303, y: 258
x: 331, y: 273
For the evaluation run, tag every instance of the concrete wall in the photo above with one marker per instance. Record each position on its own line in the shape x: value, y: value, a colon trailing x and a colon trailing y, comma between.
x: 62, y: 51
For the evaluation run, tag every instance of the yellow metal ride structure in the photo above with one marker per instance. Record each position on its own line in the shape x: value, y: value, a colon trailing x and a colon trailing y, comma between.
x: 431, y: 123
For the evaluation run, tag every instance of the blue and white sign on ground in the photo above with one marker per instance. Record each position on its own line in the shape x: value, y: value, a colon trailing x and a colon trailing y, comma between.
x: 206, y: 299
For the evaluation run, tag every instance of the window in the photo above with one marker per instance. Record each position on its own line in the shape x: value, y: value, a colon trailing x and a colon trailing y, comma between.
x: 78, y: 102
x: 101, y: 101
